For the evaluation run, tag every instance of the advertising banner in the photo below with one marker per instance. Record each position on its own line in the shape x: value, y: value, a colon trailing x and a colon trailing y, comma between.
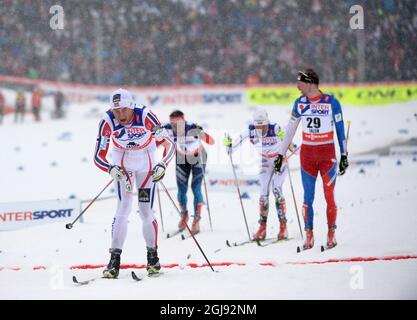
x: 226, y: 182
x: 354, y: 95
x: 17, y: 215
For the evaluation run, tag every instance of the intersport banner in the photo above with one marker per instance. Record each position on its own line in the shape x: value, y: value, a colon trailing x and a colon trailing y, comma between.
x: 150, y: 96
x: 17, y: 215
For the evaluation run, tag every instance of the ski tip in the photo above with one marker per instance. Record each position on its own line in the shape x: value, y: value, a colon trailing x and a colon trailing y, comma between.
x: 322, y: 248
x: 182, y: 237
x: 298, y: 249
x: 135, y: 277
x: 228, y: 243
x: 74, y: 279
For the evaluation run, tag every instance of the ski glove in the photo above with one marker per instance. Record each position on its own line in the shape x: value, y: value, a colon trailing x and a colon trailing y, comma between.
x: 278, y: 163
x: 196, y: 126
x: 343, y: 164
x: 198, y: 130
x: 227, y: 141
x: 116, y: 173
x: 158, y: 172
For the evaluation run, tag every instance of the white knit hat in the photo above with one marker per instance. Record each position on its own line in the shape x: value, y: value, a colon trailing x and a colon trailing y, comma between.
x: 260, y: 117
x: 121, y: 98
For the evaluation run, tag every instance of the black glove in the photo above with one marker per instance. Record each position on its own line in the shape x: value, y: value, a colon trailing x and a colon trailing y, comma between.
x: 198, y: 130
x: 278, y: 163
x: 343, y: 164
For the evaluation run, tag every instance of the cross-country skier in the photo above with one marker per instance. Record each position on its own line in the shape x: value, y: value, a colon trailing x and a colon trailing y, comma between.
x: 191, y: 159
x: 134, y: 131
x: 319, y: 113
x: 267, y: 139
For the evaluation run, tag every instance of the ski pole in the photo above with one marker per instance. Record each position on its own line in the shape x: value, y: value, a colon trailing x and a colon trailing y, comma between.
x: 207, y: 199
x: 295, y: 202
x: 338, y: 172
x: 285, y: 159
x: 69, y: 225
x: 240, y: 197
x: 188, y: 228
x: 160, y: 208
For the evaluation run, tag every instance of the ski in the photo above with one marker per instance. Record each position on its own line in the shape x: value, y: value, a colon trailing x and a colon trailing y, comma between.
x: 301, y: 248
x: 238, y: 244
x: 268, y: 242
x: 135, y: 277
x: 325, y: 248
x: 88, y: 281
x: 155, y: 275
x: 184, y: 237
x: 150, y: 275
x: 174, y: 233
x: 75, y: 280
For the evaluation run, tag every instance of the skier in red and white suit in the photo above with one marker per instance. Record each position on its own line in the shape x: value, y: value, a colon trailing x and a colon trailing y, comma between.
x: 135, y: 133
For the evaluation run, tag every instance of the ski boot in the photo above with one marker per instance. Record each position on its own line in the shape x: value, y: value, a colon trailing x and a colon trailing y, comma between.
x: 184, y: 219
x: 195, y: 228
x: 283, y: 232
x: 112, y: 269
x: 153, y: 267
x: 331, y: 239
x: 309, y: 242
x: 281, y: 209
x: 261, y: 233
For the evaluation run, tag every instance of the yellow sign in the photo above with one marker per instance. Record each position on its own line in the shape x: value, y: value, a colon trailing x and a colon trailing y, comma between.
x: 351, y: 95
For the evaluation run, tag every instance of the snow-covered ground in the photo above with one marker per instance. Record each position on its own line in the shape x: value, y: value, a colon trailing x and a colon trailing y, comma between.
x: 376, y: 257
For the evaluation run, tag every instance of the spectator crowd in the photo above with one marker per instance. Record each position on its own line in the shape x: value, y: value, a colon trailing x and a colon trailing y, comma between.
x: 170, y: 42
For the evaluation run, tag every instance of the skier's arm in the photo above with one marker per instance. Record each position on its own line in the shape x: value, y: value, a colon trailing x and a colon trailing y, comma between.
x: 169, y: 149
x: 340, y: 126
x: 161, y: 136
x: 239, y: 140
x: 291, y: 129
x: 102, y: 146
x: 207, y: 138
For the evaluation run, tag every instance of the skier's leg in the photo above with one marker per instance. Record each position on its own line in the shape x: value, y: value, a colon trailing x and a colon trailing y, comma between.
x: 182, y: 175
x: 197, y: 179
x: 277, y: 182
x: 265, y: 181
x: 309, y: 171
